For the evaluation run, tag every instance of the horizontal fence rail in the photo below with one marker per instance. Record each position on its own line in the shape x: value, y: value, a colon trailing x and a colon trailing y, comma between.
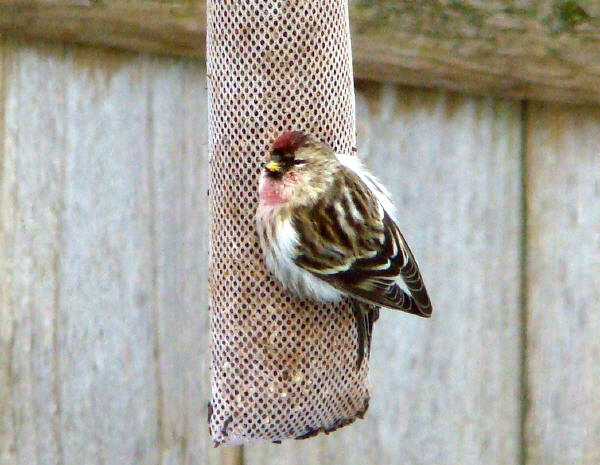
x: 545, y: 50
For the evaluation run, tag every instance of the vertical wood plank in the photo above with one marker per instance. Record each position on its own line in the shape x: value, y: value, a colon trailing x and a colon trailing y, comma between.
x: 107, y: 339
x: 180, y: 180
x: 232, y: 455
x: 32, y: 197
x: 6, y: 319
x: 445, y: 390
x: 104, y: 321
x: 563, y: 292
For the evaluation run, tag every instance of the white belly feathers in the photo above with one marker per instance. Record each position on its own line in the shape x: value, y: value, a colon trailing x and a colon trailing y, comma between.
x: 280, y: 252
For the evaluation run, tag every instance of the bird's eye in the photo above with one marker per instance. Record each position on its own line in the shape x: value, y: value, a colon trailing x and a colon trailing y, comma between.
x: 299, y: 162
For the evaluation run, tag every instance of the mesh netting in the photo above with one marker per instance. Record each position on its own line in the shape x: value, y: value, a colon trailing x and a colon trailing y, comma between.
x: 281, y: 367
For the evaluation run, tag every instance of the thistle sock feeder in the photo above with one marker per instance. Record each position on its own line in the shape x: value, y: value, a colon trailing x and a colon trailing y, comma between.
x: 281, y: 367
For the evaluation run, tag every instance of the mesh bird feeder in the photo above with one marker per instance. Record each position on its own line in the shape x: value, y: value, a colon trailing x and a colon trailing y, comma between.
x: 281, y: 367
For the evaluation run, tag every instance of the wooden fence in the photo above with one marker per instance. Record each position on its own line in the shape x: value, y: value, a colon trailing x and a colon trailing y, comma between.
x: 103, y: 243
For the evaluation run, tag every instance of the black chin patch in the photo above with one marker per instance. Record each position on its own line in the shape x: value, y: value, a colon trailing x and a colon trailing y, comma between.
x: 274, y: 174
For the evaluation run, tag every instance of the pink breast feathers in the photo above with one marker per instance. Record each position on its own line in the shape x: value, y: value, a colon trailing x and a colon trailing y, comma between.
x: 272, y: 192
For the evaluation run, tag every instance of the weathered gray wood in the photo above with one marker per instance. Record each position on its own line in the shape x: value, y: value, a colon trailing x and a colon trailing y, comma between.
x: 6, y: 320
x: 232, y: 455
x: 172, y: 27
x: 32, y: 204
x: 103, y: 329
x: 563, y: 292
x: 104, y: 321
x: 445, y: 390
x: 177, y: 124
x: 546, y: 50
x: 542, y: 50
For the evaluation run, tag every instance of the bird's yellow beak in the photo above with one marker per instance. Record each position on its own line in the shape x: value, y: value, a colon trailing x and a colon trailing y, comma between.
x: 273, y: 166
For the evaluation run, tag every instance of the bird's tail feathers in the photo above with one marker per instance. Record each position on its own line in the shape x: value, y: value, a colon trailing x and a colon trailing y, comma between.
x: 365, y: 315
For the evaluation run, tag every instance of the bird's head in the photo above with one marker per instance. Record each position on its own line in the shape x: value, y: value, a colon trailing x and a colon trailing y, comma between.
x: 297, y: 152
x: 301, y: 165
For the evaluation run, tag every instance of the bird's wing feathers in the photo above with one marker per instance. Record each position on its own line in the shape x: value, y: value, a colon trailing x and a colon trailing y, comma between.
x: 359, y: 249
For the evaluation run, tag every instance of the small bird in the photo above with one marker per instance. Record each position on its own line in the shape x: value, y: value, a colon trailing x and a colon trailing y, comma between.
x: 327, y: 230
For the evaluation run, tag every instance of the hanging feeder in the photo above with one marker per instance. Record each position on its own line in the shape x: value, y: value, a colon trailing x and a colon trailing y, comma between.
x: 281, y: 367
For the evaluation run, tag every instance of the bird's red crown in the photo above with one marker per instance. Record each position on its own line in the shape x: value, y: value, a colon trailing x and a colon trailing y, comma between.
x: 289, y: 141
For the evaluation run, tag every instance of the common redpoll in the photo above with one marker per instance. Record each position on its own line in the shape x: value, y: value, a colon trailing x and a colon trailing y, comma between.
x: 327, y: 230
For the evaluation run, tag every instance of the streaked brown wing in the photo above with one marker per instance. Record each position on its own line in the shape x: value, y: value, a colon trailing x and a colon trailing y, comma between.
x: 364, y: 259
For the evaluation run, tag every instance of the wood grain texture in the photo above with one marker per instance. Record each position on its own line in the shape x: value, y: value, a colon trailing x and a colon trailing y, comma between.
x: 563, y: 272
x: 232, y: 455
x: 445, y: 390
x: 177, y: 122
x: 6, y: 321
x: 543, y: 50
x: 166, y: 27
x: 103, y: 234
x: 103, y: 328
x: 32, y: 187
